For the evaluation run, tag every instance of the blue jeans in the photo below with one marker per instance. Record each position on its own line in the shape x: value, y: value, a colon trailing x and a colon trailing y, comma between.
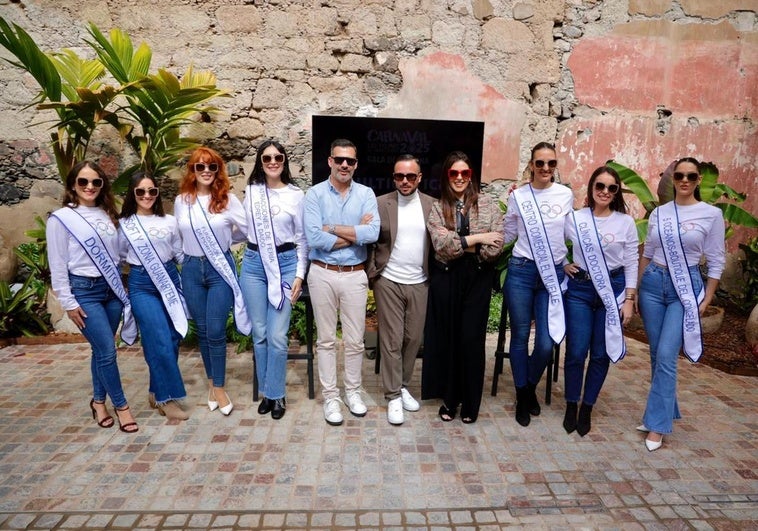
x: 160, y: 341
x: 528, y: 299
x: 663, y: 315
x: 209, y: 300
x: 103, y: 310
x: 585, y: 331
x: 270, y: 326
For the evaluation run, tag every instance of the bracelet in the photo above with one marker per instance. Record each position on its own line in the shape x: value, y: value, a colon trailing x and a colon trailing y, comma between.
x: 630, y: 297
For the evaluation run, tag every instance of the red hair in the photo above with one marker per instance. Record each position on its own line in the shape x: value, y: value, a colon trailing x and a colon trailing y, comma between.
x: 220, y: 185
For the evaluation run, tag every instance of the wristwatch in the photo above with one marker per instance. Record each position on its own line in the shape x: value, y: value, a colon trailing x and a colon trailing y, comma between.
x: 332, y: 229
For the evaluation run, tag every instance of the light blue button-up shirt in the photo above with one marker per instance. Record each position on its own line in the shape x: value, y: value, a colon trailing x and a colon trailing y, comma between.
x: 324, y: 205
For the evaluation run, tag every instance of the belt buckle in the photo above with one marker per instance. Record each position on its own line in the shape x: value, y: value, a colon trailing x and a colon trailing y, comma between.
x: 339, y: 268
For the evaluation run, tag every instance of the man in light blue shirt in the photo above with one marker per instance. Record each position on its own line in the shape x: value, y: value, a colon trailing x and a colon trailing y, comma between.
x: 341, y: 218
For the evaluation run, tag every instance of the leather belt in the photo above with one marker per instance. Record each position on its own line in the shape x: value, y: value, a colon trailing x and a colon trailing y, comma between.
x: 340, y: 268
x: 279, y: 248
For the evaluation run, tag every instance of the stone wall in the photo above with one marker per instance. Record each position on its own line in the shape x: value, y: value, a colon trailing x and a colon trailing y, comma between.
x: 640, y: 81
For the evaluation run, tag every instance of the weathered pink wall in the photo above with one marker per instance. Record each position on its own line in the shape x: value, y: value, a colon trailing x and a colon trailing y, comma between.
x: 440, y: 85
x: 705, y: 75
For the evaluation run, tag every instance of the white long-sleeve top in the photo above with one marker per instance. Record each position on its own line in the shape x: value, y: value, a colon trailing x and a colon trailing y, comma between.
x: 287, y: 206
x: 223, y: 223
x: 618, y: 240
x: 66, y: 255
x: 555, y: 203
x: 164, y: 235
x: 701, y: 227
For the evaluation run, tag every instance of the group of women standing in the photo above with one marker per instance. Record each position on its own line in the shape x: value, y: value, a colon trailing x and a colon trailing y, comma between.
x: 88, y: 240
x: 587, y: 300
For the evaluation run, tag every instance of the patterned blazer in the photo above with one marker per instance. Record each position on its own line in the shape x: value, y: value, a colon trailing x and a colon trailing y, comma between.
x: 447, y: 243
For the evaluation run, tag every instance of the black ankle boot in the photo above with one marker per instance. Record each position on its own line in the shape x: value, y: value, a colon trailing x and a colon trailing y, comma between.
x: 522, y: 406
x: 584, y: 422
x: 534, y: 405
x: 265, y: 406
x: 569, y: 419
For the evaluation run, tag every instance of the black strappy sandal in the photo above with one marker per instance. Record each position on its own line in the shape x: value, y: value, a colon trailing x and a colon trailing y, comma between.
x: 129, y: 427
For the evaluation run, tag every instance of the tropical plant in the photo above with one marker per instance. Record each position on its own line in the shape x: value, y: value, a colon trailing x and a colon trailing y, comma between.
x: 711, y: 191
x: 22, y: 312
x: 750, y: 273
x: 33, y: 255
x: 147, y: 110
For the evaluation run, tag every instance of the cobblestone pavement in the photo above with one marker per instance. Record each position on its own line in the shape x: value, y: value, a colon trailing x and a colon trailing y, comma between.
x: 59, y: 470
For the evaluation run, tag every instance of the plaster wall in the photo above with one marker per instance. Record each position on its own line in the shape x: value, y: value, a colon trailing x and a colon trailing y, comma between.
x: 639, y: 81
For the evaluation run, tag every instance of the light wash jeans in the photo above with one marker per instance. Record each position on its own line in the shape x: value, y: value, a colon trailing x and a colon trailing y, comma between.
x: 160, y: 341
x: 270, y: 326
x: 585, y: 331
x: 103, y: 310
x: 527, y: 300
x: 209, y: 300
x: 662, y: 315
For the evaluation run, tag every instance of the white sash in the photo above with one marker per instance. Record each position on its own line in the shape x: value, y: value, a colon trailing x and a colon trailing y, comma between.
x: 212, y: 249
x: 543, y: 257
x: 263, y: 225
x: 173, y: 300
x: 668, y: 230
x: 86, y: 235
x: 597, y: 269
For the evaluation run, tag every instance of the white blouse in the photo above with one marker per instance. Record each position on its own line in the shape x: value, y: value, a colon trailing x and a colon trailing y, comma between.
x: 287, y: 205
x: 66, y: 255
x: 163, y: 234
x: 229, y: 226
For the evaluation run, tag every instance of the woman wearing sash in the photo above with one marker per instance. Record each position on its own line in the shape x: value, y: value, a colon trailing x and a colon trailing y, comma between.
x: 150, y: 243
x: 672, y: 296
x: 601, y: 291
x: 82, y: 247
x: 273, y: 268
x: 209, y: 216
x: 536, y: 218
x: 466, y: 231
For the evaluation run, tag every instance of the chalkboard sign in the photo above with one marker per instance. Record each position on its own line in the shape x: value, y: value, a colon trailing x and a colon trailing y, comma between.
x: 381, y: 140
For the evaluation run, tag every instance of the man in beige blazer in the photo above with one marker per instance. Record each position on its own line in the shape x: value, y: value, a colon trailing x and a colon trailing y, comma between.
x: 398, y: 273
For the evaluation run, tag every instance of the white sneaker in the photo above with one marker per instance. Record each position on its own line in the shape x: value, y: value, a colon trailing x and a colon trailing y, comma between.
x: 395, y: 411
x: 355, y: 402
x: 409, y: 403
x: 333, y: 411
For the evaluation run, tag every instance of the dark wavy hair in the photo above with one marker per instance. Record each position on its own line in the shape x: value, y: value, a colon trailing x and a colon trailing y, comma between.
x: 258, y: 176
x: 691, y: 160
x: 617, y: 203
x: 129, y: 208
x: 448, y: 198
x: 104, y: 199
x: 219, y: 187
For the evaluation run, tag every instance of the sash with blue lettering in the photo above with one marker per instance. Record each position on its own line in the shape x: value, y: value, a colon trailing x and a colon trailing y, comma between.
x: 530, y: 214
x: 671, y: 241
x: 216, y: 257
x: 172, y: 298
x: 260, y: 220
x: 597, y: 268
x: 86, y: 235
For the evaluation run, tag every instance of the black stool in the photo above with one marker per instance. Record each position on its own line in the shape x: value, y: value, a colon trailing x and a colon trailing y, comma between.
x: 501, y: 354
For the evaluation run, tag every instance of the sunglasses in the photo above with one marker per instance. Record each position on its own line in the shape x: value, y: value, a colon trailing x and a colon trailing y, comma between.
x: 612, y: 188
x: 276, y: 158
x: 691, y: 177
x: 97, y: 182
x: 200, y: 167
x: 350, y: 161
x: 140, y: 192
x: 410, y: 177
x: 453, y: 174
x: 552, y: 163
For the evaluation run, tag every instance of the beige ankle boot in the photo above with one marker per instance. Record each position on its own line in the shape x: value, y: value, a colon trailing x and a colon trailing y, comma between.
x: 172, y: 411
